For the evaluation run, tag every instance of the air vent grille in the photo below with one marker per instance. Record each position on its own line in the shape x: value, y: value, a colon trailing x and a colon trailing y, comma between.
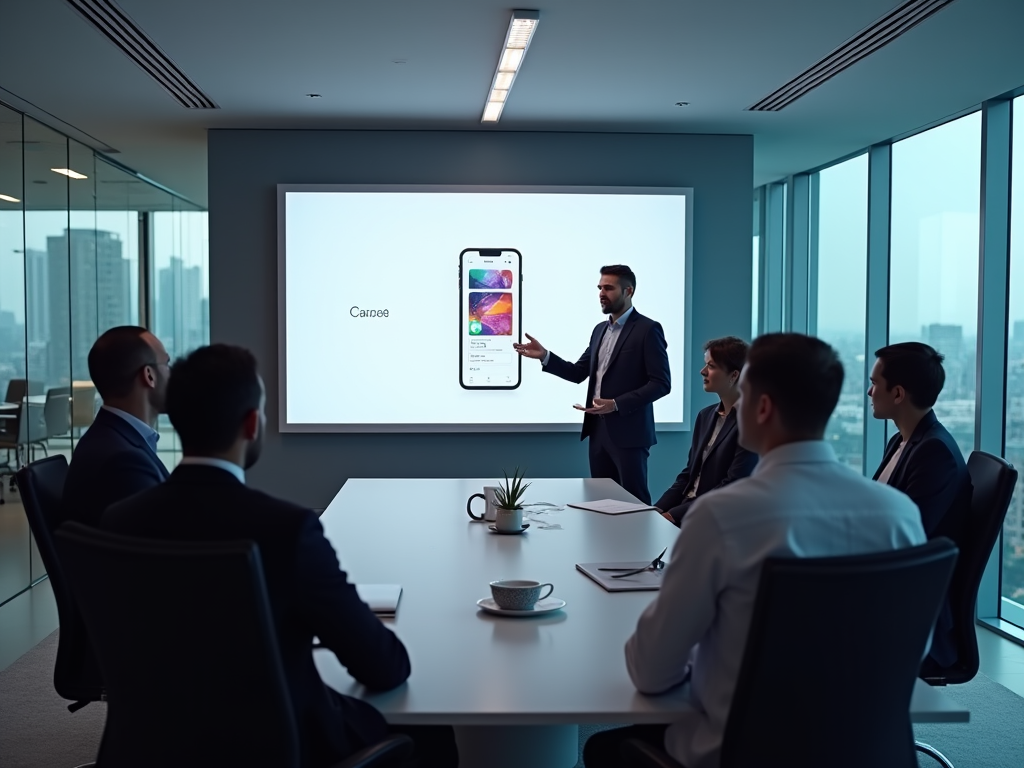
x: 118, y: 27
x: 880, y: 33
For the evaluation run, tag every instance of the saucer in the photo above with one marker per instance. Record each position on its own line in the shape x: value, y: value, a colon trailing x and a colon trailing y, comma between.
x: 493, y: 529
x: 547, y: 605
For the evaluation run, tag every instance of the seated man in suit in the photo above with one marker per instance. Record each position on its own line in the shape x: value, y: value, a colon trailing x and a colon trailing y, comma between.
x: 799, y: 502
x: 216, y: 402
x: 116, y: 457
x: 922, y: 459
x: 716, y: 458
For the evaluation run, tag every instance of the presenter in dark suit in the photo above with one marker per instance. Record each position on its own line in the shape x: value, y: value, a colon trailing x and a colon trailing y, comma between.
x: 716, y: 458
x: 116, y: 457
x: 922, y: 459
x: 627, y: 364
x: 216, y: 403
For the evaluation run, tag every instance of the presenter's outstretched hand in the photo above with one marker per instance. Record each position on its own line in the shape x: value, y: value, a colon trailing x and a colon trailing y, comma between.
x: 602, y: 406
x: 534, y: 349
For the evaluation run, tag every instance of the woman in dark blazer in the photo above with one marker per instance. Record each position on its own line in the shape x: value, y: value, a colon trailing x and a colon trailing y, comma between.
x: 716, y: 458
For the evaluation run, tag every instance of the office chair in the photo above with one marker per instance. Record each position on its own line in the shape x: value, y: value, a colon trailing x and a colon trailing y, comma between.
x: 76, y: 675
x: 185, y: 638
x: 993, y: 479
x: 56, y: 416
x: 24, y: 429
x: 819, y: 623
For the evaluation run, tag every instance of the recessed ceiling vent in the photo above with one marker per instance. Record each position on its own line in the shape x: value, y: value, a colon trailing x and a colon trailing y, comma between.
x: 118, y: 27
x: 878, y: 34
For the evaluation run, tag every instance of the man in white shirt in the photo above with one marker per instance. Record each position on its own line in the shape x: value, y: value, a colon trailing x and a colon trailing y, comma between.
x: 799, y: 502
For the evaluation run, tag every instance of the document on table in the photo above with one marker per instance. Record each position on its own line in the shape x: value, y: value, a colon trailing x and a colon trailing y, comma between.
x: 382, y: 598
x: 610, y: 506
x: 638, y: 582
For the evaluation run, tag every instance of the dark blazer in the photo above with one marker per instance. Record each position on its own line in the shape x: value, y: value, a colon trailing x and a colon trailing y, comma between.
x: 932, y: 472
x: 309, y: 595
x: 110, y: 463
x: 726, y: 462
x: 637, y: 375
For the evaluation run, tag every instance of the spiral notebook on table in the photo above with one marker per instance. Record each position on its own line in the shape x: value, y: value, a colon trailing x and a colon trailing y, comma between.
x: 638, y: 582
x: 382, y: 598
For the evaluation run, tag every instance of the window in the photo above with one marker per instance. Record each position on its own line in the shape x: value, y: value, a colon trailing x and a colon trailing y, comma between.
x: 841, y: 307
x: 755, y: 317
x: 1013, y: 528
x: 933, y: 279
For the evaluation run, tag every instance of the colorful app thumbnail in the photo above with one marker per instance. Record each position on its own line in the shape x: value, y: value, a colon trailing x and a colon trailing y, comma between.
x: 490, y: 278
x: 490, y: 314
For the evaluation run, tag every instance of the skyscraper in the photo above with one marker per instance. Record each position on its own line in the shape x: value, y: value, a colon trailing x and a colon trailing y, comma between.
x: 179, y: 317
x: 90, y: 261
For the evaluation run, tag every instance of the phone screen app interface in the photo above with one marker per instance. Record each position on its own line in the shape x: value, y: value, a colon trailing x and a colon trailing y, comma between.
x: 490, y: 299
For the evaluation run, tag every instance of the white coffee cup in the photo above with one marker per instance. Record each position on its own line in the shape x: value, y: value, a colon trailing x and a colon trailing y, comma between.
x: 509, y: 520
x: 490, y: 497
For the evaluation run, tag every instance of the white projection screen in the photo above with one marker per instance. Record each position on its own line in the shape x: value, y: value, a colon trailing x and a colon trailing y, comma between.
x: 373, y: 332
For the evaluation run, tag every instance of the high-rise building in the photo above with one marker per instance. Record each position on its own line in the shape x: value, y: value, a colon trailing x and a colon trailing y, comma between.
x: 946, y: 339
x: 90, y: 262
x: 179, y: 321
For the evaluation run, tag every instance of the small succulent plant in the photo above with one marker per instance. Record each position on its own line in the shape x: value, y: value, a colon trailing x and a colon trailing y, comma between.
x: 510, y: 495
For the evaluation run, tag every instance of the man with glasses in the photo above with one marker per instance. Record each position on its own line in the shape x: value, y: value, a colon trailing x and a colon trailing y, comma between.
x: 116, y: 458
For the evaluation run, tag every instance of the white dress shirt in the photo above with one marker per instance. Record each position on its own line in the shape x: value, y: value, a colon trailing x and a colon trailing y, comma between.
x: 799, y: 502
x: 604, y: 351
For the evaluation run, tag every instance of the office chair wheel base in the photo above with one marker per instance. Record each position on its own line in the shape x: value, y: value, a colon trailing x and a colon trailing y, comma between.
x: 933, y: 753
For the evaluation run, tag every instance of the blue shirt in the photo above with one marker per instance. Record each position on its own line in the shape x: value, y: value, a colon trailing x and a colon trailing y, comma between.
x: 604, y: 353
x: 150, y: 435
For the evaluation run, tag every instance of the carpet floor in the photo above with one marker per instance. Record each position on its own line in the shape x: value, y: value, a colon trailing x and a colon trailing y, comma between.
x: 37, y: 731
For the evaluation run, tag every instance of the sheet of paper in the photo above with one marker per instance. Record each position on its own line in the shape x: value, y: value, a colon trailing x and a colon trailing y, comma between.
x: 382, y: 598
x: 611, y: 506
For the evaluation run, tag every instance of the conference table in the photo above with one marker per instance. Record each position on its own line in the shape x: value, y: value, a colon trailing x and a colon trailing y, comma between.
x: 515, y: 689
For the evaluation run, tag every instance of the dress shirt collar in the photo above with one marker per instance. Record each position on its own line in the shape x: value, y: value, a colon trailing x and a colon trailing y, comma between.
x: 207, y: 461
x: 622, y: 319
x: 802, y: 452
x: 150, y: 435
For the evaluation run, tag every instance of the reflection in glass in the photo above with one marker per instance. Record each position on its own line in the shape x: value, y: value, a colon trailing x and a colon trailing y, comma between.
x: 842, y: 250
x: 1013, y: 529
x: 933, y: 282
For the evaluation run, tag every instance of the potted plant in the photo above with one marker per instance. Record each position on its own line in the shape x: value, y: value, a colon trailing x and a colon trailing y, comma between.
x: 509, y: 498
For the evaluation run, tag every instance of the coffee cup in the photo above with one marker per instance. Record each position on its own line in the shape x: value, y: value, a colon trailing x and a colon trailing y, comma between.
x: 509, y: 520
x: 490, y: 497
x: 518, y: 594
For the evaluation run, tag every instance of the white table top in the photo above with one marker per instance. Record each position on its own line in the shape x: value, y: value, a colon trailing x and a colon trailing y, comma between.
x: 471, y: 668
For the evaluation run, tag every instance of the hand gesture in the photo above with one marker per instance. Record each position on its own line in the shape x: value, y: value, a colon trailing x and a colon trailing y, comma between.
x: 602, y: 406
x: 533, y: 349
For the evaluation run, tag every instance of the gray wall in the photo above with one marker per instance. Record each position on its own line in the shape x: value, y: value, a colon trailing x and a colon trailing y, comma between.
x: 246, y: 165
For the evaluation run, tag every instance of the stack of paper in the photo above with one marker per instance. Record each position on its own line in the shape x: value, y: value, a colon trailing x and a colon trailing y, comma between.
x: 611, y: 506
x: 382, y: 598
x: 638, y: 582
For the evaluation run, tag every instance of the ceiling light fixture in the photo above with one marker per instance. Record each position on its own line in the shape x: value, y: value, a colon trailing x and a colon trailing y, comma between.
x: 69, y: 173
x: 517, y: 40
x: 9, y: 199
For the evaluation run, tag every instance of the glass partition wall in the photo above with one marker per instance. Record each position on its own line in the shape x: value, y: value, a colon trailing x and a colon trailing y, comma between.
x: 78, y: 241
x: 908, y: 241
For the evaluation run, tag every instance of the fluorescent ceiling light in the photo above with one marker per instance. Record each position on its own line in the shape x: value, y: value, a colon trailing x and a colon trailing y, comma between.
x: 69, y: 173
x: 517, y: 40
x: 9, y: 199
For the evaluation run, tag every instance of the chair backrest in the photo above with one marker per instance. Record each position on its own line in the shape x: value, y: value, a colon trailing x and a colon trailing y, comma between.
x: 16, y: 390
x: 184, y: 637
x: 57, y: 411
x: 832, y: 657
x: 76, y: 675
x: 993, y: 479
x: 32, y: 424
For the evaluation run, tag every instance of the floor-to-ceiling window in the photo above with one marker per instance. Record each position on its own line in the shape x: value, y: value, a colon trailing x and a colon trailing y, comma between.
x: 840, y: 253
x: 1013, y: 529
x: 933, y: 279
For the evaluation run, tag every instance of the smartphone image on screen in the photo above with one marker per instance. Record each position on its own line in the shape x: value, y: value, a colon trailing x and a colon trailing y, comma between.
x: 490, y: 314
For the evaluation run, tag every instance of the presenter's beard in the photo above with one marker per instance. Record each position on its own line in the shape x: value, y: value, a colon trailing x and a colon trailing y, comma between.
x: 614, y: 306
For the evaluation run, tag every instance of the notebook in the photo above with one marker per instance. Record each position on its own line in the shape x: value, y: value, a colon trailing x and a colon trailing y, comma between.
x: 382, y: 598
x: 647, y: 580
x: 611, y: 506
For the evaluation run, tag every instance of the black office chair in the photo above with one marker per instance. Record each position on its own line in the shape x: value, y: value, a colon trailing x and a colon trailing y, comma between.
x: 56, y: 417
x: 76, y: 675
x: 184, y: 635
x: 993, y: 479
x: 830, y: 662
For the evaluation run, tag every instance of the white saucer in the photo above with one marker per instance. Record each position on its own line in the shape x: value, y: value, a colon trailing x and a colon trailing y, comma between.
x: 494, y: 529
x: 547, y: 605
